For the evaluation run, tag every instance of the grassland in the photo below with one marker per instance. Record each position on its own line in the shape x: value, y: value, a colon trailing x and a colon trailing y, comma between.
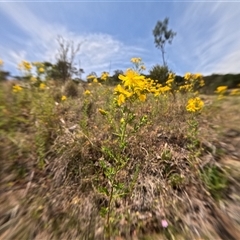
x: 66, y: 173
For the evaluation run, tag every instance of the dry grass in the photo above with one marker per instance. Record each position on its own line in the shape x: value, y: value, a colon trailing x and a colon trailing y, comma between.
x: 51, y: 172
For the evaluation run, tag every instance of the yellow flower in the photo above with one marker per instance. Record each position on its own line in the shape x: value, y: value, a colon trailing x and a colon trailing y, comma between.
x: 16, y: 88
x: 95, y: 80
x: 171, y: 76
x: 185, y: 88
x: 41, y: 70
x: 121, y: 99
x: 169, y: 82
x: 136, y: 86
x: 104, y: 76
x: 165, y: 89
x: 221, y: 89
x: 201, y: 83
x: 142, y: 97
x: 26, y: 65
x: 42, y: 86
x: 194, y: 104
x: 187, y: 76
x: 64, y: 98
x: 87, y: 92
x: 132, y: 79
x: 91, y: 77
x: 235, y: 92
x: 220, y: 97
x: 1, y: 62
x: 122, y: 120
x: 136, y: 60
x: 119, y: 89
x: 33, y: 79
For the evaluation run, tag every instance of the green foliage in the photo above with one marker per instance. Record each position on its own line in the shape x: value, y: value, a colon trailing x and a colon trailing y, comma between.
x: 176, y: 180
x: 119, y: 177
x: 215, y: 80
x: 162, y: 36
x: 116, y: 188
x: 61, y: 70
x: 4, y: 75
x: 216, y: 181
x: 46, y: 124
x: 159, y: 73
x: 114, y: 160
x: 179, y: 80
x: 114, y: 80
x: 86, y: 114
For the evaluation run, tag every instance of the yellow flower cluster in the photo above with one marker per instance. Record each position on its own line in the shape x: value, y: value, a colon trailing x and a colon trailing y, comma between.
x: 192, y: 82
x: 221, y: 90
x: 33, y: 79
x: 185, y: 88
x: 235, y: 92
x: 39, y: 67
x: 134, y: 86
x: 163, y: 90
x: 92, y: 78
x: 63, y: 98
x: 157, y: 88
x: 87, y: 92
x: 42, y: 86
x: 41, y: 70
x: 139, y: 65
x: 104, y: 76
x: 24, y: 65
x: 16, y: 88
x: 136, y: 60
x: 170, y: 80
x: 194, y: 105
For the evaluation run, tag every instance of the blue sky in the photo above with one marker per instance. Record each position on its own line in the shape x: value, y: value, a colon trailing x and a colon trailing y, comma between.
x: 112, y: 32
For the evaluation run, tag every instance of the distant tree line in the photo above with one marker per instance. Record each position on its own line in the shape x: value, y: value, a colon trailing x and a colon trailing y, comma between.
x: 65, y: 68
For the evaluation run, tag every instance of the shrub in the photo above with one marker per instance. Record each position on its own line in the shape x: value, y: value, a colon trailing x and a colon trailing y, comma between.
x: 159, y: 73
x: 71, y: 89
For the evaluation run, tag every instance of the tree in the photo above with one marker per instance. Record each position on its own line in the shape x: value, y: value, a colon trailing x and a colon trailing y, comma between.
x: 113, y: 80
x: 65, y: 58
x: 4, y: 75
x: 162, y: 35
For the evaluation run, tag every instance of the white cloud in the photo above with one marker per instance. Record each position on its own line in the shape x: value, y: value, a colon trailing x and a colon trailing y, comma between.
x: 209, y: 42
x: 96, y: 52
